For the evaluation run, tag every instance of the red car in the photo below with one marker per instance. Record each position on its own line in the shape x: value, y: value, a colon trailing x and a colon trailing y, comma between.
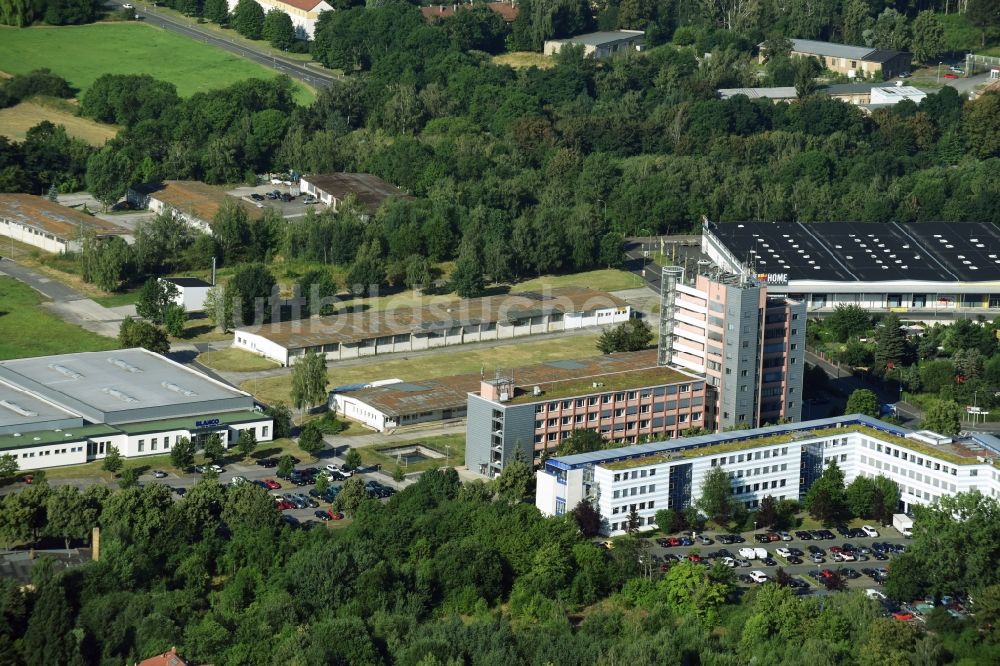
x: 826, y: 573
x: 285, y: 505
x: 336, y: 515
x: 949, y: 75
x: 272, y: 484
x: 673, y: 541
x: 694, y: 557
x: 28, y: 478
x: 903, y: 616
x: 836, y: 549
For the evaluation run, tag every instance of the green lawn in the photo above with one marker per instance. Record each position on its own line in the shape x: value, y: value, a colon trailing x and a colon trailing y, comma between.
x: 116, y: 300
x: 28, y: 330
x: 81, y: 53
x: 235, y: 360
x: 451, y: 446
x: 446, y: 362
x: 602, y: 280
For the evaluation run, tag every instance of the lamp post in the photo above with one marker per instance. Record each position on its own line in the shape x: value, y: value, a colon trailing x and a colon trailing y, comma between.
x: 939, y: 72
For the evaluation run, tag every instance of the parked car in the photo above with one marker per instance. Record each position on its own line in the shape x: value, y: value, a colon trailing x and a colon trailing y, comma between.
x: 802, y: 535
x: 180, y: 491
x: 260, y: 484
x: 783, y: 552
x: 785, y: 536
x: 903, y: 616
x: 729, y: 562
x: 747, y: 553
x: 199, y: 469
x: 322, y: 515
x: 291, y: 521
x: 256, y: 196
x: 237, y: 481
x: 758, y: 576
x: 817, y: 559
x: 217, y: 469
x: 705, y: 541
x: 744, y: 578
x: 761, y: 538
x: 794, y: 559
x: 268, y: 463
x: 816, y: 550
x: 159, y: 474
x: 346, y: 470
x: 869, y: 531
x: 740, y: 562
x: 770, y: 562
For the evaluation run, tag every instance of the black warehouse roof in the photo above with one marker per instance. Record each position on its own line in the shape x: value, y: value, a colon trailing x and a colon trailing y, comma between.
x: 866, y: 252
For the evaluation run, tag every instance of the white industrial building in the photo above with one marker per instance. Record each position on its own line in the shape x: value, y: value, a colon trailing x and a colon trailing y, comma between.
x: 47, y: 225
x: 780, y: 461
x: 925, y: 268
x: 370, y: 333
x: 70, y: 408
x: 191, y: 292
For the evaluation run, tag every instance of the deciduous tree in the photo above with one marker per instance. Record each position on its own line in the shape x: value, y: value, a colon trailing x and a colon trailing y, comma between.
x: 182, y: 455
x: 248, y: 19
x: 214, y: 450
x: 138, y: 333
x: 942, y: 416
x: 278, y: 29
x: 716, y: 496
x: 247, y: 442
x: 309, y: 381
x: 581, y: 440
x: 113, y: 460
x: 928, y: 37
x: 863, y: 401
x: 311, y: 438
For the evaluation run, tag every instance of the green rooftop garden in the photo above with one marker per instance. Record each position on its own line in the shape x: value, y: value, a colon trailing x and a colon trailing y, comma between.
x: 620, y: 381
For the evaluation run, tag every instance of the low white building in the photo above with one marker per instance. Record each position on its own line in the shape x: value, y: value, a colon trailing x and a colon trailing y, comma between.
x: 778, y: 461
x: 191, y: 292
x: 304, y: 13
x: 71, y: 408
x: 48, y: 225
x: 407, y: 329
x: 600, y: 44
x: 888, y: 95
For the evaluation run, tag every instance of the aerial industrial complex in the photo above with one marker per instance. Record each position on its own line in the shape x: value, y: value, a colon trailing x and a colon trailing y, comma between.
x: 781, y: 461
x: 70, y: 408
x: 924, y: 268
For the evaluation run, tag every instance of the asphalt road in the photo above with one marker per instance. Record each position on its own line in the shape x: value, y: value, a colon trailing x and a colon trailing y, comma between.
x: 52, y: 289
x: 309, y: 75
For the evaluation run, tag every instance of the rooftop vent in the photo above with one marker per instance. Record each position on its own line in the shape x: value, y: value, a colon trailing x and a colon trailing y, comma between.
x: 124, y: 397
x: 63, y: 370
x: 929, y: 437
x: 124, y: 365
x: 536, y: 391
x: 14, y: 407
x: 170, y: 386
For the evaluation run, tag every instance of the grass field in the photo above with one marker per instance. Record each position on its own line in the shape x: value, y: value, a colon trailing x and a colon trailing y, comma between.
x: 602, y: 280
x: 81, y: 53
x: 453, y: 361
x: 28, y: 330
x: 235, y: 360
x: 15, y: 122
x: 525, y: 59
x: 450, y: 446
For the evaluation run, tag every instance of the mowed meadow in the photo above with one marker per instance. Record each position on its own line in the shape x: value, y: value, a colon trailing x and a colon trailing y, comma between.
x: 81, y: 53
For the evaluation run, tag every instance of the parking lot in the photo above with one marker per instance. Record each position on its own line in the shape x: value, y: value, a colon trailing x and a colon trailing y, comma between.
x: 254, y: 472
x: 809, y: 557
x: 296, y: 207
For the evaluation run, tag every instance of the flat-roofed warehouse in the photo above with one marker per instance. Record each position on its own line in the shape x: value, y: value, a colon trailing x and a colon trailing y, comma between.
x: 192, y: 201
x: 442, y: 324
x: 387, y: 404
x: 70, y: 408
x: 926, y: 268
x: 47, y: 225
x: 369, y: 190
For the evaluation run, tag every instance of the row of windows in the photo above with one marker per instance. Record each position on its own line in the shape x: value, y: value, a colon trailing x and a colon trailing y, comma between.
x: 624, y: 524
x: 595, y: 416
x: 48, y: 452
x: 641, y: 506
x: 755, y: 455
x: 757, y: 471
x: 637, y: 490
x: 916, y: 476
x: 912, y: 457
x: 635, y: 474
x: 742, y: 490
x: 607, y: 398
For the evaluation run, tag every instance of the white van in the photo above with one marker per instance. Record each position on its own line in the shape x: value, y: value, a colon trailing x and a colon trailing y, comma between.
x: 761, y: 553
x: 758, y: 576
x: 747, y: 553
x: 869, y: 531
x: 875, y: 594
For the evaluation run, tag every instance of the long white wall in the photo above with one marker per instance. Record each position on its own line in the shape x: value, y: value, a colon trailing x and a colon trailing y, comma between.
x: 31, y: 236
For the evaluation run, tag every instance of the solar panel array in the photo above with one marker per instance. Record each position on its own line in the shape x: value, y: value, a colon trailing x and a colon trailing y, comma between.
x: 854, y: 252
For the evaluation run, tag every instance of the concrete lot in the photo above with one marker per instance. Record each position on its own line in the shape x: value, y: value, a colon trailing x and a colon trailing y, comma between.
x: 288, y: 210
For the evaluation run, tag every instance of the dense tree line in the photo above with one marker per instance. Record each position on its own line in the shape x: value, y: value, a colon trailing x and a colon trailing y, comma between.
x: 443, y: 573
x: 21, y: 13
x: 519, y: 172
